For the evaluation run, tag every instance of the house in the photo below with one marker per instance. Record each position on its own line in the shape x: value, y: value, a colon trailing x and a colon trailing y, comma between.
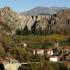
x: 54, y: 58
x: 67, y: 58
x: 21, y: 44
x: 56, y: 44
x: 34, y: 52
x: 66, y: 50
x: 49, y: 52
x: 24, y: 44
x: 38, y: 51
x: 11, y: 64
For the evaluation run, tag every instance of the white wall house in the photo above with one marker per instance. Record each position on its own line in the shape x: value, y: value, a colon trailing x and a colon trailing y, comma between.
x: 54, y: 59
x: 38, y: 51
x: 56, y: 44
x: 50, y: 52
x: 25, y: 45
x: 12, y: 66
x: 34, y: 52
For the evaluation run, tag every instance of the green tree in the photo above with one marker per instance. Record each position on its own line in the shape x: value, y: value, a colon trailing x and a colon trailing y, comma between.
x: 18, y: 32
x: 25, y: 31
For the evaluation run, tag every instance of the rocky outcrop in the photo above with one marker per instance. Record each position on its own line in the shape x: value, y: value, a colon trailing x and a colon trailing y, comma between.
x: 10, y: 21
x: 14, y: 20
x: 30, y: 20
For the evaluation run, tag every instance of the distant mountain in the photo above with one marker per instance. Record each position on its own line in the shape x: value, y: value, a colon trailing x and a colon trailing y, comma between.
x: 43, y: 11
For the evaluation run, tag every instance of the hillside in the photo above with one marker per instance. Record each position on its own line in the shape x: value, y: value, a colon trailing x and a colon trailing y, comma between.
x: 9, y: 20
x: 55, y: 23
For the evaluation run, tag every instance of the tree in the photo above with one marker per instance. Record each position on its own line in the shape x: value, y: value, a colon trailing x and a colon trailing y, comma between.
x: 25, y: 31
x: 18, y: 32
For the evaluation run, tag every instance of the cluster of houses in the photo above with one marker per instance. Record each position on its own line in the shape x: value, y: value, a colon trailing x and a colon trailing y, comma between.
x: 55, y: 54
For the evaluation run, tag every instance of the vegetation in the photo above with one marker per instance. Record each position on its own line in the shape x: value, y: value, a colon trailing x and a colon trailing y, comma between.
x: 39, y: 38
x: 9, y: 47
x: 55, y: 29
x: 45, y: 65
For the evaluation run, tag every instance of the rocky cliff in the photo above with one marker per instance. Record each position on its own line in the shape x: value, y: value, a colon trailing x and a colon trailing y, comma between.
x: 10, y: 21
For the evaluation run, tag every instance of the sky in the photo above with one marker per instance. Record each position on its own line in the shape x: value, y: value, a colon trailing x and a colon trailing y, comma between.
x: 24, y: 5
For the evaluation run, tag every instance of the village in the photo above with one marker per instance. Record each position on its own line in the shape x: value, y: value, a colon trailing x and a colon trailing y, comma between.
x: 53, y: 54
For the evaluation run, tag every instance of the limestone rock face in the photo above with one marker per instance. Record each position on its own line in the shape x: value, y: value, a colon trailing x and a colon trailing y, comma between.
x: 9, y: 19
x: 55, y: 23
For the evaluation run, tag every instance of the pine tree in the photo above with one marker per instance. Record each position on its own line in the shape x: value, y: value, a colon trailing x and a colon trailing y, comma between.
x: 25, y: 31
x: 18, y: 32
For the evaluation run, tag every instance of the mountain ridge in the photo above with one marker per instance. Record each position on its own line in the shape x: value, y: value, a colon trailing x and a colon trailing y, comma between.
x: 45, y: 10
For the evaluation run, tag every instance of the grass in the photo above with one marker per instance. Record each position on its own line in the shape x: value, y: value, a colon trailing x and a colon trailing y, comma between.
x: 40, y: 38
